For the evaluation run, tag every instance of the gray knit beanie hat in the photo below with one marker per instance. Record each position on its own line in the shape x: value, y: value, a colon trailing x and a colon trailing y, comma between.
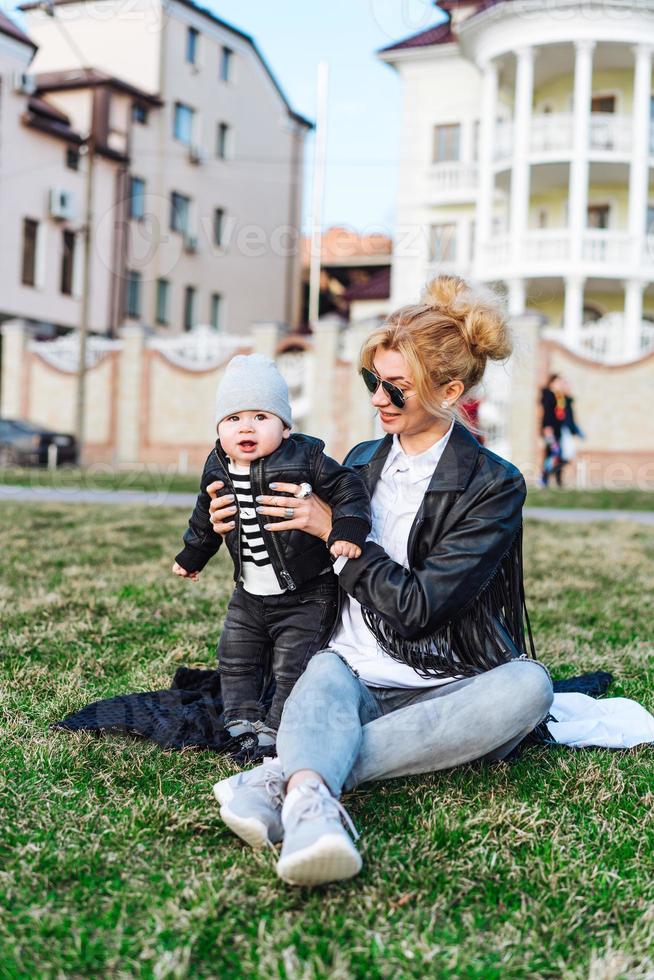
x: 253, y: 381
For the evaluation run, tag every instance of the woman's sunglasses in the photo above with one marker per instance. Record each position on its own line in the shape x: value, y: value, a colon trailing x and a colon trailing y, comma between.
x: 372, y: 383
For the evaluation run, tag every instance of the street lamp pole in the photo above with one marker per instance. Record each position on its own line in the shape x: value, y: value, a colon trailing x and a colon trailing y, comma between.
x: 80, y: 409
x: 320, y: 154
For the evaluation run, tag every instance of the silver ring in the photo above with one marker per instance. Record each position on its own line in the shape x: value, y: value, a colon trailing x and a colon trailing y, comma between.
x: 305, y: 491
x: 289, y: 512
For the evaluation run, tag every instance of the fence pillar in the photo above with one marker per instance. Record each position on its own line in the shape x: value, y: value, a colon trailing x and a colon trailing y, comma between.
x: 323, y: 397
x: 362, y: 415
x: 130, y: 408
x: 14, y: 344
x: 266, y: 337
x: 523, y: 405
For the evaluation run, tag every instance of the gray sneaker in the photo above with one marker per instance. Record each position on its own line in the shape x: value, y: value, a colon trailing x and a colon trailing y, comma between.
x: 251, y: 803
x: 316, y: 846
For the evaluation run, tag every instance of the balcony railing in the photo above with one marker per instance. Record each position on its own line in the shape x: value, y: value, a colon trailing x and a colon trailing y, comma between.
x: 606, y: 247
x: 607, y: 340
x: 610, y: 132
x: 600, y: 249
x: 453, y: 176
x: 553, y: 132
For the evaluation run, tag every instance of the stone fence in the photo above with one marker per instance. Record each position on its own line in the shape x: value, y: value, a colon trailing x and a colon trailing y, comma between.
x: 150, y: 400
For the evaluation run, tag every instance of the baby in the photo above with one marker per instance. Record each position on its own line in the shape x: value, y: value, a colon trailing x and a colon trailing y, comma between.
x: 284, y: 605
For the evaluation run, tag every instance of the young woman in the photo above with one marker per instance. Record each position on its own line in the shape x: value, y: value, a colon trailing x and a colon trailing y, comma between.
x: 428, y: 666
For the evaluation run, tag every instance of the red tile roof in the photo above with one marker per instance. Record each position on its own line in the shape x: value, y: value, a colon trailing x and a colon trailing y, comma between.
x: 439, y: 34
x: 67, y: 78
x: 7, y: 26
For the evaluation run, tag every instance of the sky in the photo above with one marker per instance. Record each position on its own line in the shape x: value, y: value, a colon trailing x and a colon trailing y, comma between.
x: 364, y: 93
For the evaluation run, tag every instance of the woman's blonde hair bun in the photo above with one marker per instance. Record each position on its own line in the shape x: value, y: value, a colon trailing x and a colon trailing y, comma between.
x: 450, y: 334
x: 475, y: 311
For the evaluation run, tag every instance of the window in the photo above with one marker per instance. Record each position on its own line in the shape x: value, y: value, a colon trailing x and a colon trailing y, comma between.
x: 446, y: 142
x: 215, y: 313
x: 649, y: 230
x: 443, y: 243
x: 598, y: 215
x: 163, y: 297
x: 30, y: 237
x: 72, y: 158
x: 133, y: 293
x: 226, y: 64
x: 602, y: 103
x: 67, y: 262
x: 183, y: 123
x: 192, y: 45
x: 219, y: 227
x: 223, y: 141
x: 189, y: 307
x: 179, y: 212
x: 139, y: 113
x: 136, y: 197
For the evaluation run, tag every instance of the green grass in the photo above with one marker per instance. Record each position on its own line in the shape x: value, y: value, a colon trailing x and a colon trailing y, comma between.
x: 164, y: 479
x: 113, y: 861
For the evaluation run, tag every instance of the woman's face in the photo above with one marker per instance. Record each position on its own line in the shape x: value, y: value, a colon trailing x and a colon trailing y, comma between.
x: 390, y: 365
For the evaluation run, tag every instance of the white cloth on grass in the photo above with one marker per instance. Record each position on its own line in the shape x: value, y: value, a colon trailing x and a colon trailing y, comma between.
x: 611, y: 723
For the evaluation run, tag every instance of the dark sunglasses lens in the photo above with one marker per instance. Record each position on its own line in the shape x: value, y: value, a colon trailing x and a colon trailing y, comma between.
x: 372, y: 383
x: 370, y: 380
x: 395, y: 395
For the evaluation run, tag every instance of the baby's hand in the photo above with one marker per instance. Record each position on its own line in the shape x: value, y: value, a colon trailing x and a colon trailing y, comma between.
x: 345, y: 548
x: 178, y: 570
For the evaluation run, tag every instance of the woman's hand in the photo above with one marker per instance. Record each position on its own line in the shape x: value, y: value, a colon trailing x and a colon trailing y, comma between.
x: 310, y: 514
x: 221, y: 509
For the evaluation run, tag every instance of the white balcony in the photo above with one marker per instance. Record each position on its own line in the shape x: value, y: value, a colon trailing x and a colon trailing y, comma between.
x: 551, y: 132
x: 607, y: 247
x: 552, y: 135
x: 611, y: 133
x: 452, y: 181
x: 549, y: 252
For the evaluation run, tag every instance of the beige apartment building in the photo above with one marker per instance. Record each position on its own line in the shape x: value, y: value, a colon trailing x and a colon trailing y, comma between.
x: 194, y: 159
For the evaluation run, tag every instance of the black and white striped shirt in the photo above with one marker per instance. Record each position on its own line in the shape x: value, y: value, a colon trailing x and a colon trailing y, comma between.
x: 257, y: 574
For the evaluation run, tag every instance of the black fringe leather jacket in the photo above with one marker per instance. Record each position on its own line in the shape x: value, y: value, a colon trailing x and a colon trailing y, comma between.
x: 460, y: 606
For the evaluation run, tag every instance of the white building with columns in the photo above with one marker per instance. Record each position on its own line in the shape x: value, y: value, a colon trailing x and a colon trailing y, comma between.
x: 526, y: 156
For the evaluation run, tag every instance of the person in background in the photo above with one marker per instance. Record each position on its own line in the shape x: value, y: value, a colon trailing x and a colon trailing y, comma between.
x: 558, y: 427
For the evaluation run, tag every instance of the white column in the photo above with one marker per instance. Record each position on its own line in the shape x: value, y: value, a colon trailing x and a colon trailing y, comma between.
x: 633, y: 314
x: 14, y: 349
x: 265, y: 337
x: 639, y: 169
x: 524, y: 90
x: 578, y: 179
x: 573, y: 310
x: 485, y: 162
x: 517, y: 298
x: 130, y: 408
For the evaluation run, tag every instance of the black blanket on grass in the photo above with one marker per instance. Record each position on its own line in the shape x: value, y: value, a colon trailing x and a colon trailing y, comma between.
x: 189, y: 714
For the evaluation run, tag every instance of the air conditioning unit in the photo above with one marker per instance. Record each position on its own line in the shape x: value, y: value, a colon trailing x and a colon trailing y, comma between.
x: 196, y: 154
x: 191, y: 243
x: 23, y: 82
x: 62, y: 204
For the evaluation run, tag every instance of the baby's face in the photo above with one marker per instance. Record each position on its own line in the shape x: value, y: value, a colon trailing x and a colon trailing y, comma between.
x: 250, y: 435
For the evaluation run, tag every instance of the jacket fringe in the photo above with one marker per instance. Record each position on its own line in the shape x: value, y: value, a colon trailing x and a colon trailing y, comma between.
x: 471, y: 642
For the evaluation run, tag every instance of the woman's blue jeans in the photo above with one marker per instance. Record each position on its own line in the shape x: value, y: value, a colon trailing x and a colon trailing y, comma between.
x: 350, y: 733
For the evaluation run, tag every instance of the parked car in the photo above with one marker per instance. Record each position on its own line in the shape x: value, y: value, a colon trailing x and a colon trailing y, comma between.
x: 25, y: 444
